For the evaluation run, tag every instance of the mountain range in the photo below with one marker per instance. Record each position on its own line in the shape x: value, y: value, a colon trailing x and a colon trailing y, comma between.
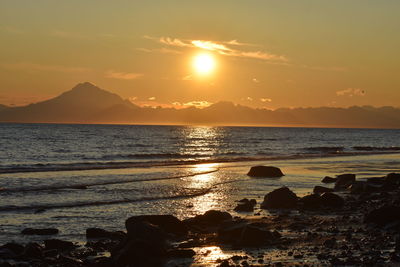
x: 87, y: 103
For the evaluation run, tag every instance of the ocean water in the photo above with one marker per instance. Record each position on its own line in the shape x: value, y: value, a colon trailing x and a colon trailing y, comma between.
x: 72, y: 177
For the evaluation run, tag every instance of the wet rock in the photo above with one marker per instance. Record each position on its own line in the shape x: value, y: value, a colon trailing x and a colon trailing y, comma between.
x: 344, y: 181
x: 312, y: 201
x: 393, y: 178
x: 328, y: 180
x: 321, y: 189
x: 181, y: 253
x: 383, y: 215
x: 210, y: 218
x: 58, y: 244
x: 145, y: 245
x: 14, y: 247
x: 101, y: 233
x: 265, y: 171
x: 168, y: 223
x: 42, y: 231
x: 6, y: 253
x: 281, y: 198
x: 33, y: 250
x: 254, y: 236
x: 246, y: 205
x: 331, y: 200
x: 246, y: 235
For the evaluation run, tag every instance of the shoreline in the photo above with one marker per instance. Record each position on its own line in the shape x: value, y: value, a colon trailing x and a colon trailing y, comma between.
x: 304, y: 234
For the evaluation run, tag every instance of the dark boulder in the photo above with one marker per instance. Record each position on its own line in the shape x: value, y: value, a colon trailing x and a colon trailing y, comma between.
x: 209, y: 218
x: 331, y: 200
x: 265, y: 171
x: 383, y: 215
x: 246, y: 205
x: 168, y: 223
x: 321, y: 189
x: 393, y: 178
x: 247, y: 235
x: 43, y: 231
x: 281, y: 198
x: 344, y: 181
x: 58, y: 244
x: 33, y: 250
x: 145, y: 245
x: 329, y: 180
x: 14, y: 247
x: 312, y: 201
x: 254, y: 236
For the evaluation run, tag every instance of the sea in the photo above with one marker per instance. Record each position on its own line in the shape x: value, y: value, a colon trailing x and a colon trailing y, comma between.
x: 72, y: 177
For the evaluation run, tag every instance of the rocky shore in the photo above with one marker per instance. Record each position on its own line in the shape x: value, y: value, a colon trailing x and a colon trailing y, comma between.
x: 350, y: 221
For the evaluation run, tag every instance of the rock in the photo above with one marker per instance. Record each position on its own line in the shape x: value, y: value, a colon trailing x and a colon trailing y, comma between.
x: 70, y: 261
x: 328, y: 180
x: 393, y: 178
x: 6, y: 253
x: 254, y: 236
x: 330, y: 243
x: 344, y: 181
x: 312, y: 201
x: 281, y: 198
x: 383, y: 215
x: 321, y: 189
x: 247, y: 235
x: 145, y: 245
x: 168, y: 223
x: 181, y: 253
x: 43, y: 231
x: 58, y: 244
x: 210, y: 218
x: 101, y: 233
x: 246, y: 205
x: 33, y: 250
x: 14, y: 247
x: 331, y: 200
x: 265, y: 171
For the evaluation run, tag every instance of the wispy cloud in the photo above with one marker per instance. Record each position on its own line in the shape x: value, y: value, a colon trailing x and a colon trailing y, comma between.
x: 197, y: 104
x: 265, y: 100
x: 25, y: 66
x: 351, y: 92
x: 227, y: 48
x: 11, y: 29
x: 152, y: 98
x: 122, y: 75
x: 162, y: 50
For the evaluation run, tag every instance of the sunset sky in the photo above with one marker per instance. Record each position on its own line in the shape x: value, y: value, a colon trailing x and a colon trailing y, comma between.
x: 267, y: 54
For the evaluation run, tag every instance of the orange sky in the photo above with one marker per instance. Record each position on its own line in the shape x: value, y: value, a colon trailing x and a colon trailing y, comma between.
x: 267, y: 53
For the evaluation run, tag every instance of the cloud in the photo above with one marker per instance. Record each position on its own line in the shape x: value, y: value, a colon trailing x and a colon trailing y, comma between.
x: 255, y: 80
x: 249, y: 98
x: 162, y: 50
x: 152, y: 98
x: 12, y: 30
x: 24, y: 66
x: 265, y: 100
x: 222, y: 48
x: 196, y: 103
x: 351, y: 92
x: 122, y: 75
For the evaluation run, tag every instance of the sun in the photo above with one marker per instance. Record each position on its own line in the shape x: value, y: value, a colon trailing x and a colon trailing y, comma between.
x: 204, y: 63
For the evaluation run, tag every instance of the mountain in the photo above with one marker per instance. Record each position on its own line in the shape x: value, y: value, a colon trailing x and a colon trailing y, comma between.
x: 87, y: 103
x: 79, y: 104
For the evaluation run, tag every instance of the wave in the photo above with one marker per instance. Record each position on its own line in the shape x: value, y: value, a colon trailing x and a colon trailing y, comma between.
x: 328, y: 149
x: 376, y: 148
x: 86, y: 185
x: 101, y: 203
x: 188, y: 160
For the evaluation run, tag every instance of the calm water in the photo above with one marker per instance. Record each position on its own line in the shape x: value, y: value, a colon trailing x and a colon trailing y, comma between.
x: 76, y: 176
